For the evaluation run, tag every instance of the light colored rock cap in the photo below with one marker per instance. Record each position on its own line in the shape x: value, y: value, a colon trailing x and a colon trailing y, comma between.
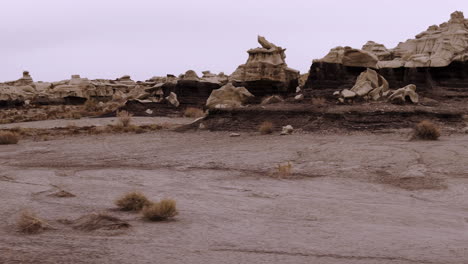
x: 438, y: 46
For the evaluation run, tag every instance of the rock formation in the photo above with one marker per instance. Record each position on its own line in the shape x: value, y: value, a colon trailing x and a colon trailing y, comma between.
x: 438, y: 46
x: 407, y: 93
x: 228, y: 96
x: 372, y: 86
x: 435, y: 58
x: 266, y: 71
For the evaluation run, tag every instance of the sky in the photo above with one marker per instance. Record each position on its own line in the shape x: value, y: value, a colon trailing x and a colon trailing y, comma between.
x: 54, y: 39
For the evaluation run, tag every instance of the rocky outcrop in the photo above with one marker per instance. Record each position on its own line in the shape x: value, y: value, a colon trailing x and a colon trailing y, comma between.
x: 266, y: 72
x: 372, y: 86
x: 350, y: 57
x: 228, y: 96
x: 438, y: 46
x: 436, y: 61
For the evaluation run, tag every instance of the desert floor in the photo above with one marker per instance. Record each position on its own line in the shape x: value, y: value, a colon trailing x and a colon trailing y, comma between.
x: 360, y: 198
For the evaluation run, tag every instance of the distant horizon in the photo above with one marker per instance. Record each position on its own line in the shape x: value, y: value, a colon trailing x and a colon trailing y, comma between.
x: 54, y: 39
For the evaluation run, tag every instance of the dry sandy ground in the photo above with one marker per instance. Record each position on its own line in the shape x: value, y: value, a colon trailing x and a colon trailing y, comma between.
x: 354, y: 199
x: 83, y: 122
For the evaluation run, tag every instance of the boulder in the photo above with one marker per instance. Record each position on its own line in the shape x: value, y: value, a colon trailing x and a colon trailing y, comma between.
x: 287, y: 130
x: 369, y: 85
x: 402, y: 95
x: 368, y: 81
x: 347, y: 94
x: 172, y: 99
x: 228, y: 96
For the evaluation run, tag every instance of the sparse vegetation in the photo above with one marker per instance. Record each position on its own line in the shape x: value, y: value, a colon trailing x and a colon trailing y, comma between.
x: 266, y: 128
x: 29, y: 223
x: 284, y: 170
x: 161, y: 211
x: 194, y: 112
x: 426, y: 130
x: 125, y: 118
x: 7, y: 137
x: 133, y: 201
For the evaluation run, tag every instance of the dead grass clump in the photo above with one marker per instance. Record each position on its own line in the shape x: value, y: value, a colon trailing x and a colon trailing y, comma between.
x: 426, y: 130
x: 7, y: 137
x: 319, y: 101
x: 266, y: 128
x: 29, y: 223
x: 133, y: 201
x: 284, y: 170
x: 194, y: 112
x: 161, y: 211
x: 125, y: 118
x: 97, y: 221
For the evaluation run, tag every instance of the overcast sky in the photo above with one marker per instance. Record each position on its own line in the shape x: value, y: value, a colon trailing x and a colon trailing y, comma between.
x: 54, y: 39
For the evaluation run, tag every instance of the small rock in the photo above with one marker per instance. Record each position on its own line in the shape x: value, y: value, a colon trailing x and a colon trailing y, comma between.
x: 299, y: 97
x: 348, y: 93
x: 272, y: 100
x: 287, y: 130
x: 149, y: 111
x: 201, y: 126
x: 336, y: 93
x: 234, y: 135
x: 298, y: 89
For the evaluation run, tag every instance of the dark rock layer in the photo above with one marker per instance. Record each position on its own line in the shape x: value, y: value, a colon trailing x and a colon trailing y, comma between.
x: 451, y: 81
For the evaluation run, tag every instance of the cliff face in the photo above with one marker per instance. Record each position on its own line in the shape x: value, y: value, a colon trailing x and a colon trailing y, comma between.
x: 266, y: 71
x: 436, y: 60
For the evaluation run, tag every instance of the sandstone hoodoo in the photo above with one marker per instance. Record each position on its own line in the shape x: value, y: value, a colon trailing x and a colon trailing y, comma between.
x: 436, y: 61
x: 266, y: 72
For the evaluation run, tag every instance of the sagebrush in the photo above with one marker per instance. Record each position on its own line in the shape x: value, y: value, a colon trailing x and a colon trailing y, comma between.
x: 133, y: 201
x: 426, y: 130
x: 163, y: 210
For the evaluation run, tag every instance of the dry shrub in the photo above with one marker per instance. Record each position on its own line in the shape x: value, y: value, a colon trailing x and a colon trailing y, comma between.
x: 161, y: 211
x: 29, y: 223
x: 98, y: 221
x: 426, y: 130
x: 194, y: 112
x: 319, y: 101
x: 7, y: 137
x: 133, y: 201
x: 266, y: 128
x: 284, y: 171
x: 124, y: 118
